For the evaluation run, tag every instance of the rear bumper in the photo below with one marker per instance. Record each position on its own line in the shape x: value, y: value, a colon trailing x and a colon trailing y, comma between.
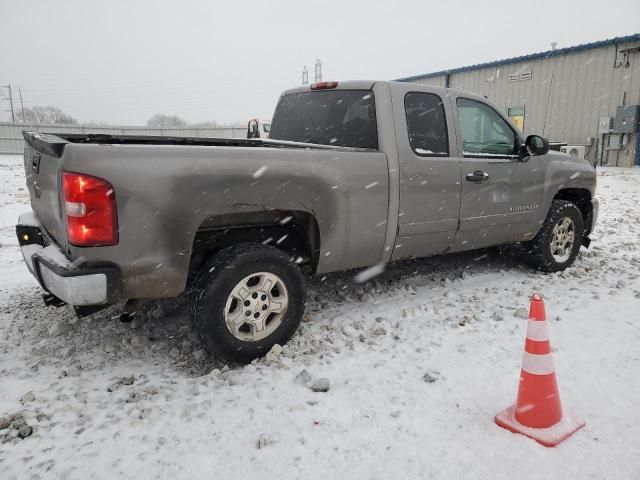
x: 75, y: 283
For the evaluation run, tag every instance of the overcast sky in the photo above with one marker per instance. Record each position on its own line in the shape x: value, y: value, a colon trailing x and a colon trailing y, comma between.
x: 122, y: 61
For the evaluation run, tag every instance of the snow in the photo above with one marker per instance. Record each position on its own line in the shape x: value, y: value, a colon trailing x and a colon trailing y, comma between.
x: 419, y: 360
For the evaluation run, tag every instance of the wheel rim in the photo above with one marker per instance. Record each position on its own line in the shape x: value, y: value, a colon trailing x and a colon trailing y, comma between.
x: 256, y: 306
x: 563, y: 238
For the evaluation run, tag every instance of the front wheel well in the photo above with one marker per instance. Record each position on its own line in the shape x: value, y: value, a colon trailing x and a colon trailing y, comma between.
x: 581, y: 197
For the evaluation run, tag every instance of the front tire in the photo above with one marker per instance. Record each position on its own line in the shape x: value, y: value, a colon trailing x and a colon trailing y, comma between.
x: 245, y: 300
x: 558, y: 242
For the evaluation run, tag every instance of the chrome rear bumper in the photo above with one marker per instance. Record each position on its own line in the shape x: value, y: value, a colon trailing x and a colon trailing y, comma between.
x: 74, y: 283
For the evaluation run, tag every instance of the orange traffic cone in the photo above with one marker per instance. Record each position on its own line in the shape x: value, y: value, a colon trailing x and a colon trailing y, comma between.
x: 537, y: 412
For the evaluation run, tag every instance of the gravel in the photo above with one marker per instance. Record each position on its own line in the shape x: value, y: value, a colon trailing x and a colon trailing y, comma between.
x: 428, y: 378
x: 4, y: 423
x: 25, y: 431
x: 320, y: 385
x: 303, y: 378
x: 521, y: 313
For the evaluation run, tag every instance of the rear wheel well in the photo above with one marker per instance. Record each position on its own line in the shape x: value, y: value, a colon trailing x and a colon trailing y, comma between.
x: 581, y: 197
x: 293, y: 232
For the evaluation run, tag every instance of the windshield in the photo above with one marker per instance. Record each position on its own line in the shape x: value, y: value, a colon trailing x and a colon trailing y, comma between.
x: 345, y: 118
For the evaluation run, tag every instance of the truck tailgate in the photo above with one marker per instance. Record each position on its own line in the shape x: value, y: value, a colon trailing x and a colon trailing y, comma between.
x: 42, y: 163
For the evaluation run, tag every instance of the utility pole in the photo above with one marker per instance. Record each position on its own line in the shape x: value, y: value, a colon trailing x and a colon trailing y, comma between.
x: 21, y: 104
x: 13, y: 115
x: 318, y: 71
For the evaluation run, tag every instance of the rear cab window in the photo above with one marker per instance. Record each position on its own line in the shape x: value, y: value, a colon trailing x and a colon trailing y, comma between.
x: 426, y: 124
x: 345, y: 118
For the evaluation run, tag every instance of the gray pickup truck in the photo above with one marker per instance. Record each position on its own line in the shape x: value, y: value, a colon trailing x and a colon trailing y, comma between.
x: 355, y: 174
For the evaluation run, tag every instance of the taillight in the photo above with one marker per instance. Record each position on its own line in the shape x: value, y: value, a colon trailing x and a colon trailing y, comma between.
x: 323, y: 85
x: 90, y: 208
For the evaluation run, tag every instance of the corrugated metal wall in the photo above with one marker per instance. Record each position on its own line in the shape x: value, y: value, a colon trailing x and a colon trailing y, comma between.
x: 565, y: 97
x: 11, y: 140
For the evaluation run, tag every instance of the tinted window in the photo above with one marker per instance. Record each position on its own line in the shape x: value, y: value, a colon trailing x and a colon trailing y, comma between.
x: 329, y: 117
x: 484, y: 132
x: 426, y: 124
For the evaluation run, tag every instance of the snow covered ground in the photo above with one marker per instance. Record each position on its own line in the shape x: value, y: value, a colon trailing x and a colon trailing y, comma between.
x: 112, y: 400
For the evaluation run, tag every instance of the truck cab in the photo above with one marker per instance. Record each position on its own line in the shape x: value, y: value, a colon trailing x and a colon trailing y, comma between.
x: 257, y: 128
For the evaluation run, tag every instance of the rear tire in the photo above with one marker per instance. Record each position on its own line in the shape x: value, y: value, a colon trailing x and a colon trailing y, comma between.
x: 558, y: 242
x: 246, y: 299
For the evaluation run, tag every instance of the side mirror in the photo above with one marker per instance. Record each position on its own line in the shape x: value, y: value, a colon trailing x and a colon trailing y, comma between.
x: 536, y: 145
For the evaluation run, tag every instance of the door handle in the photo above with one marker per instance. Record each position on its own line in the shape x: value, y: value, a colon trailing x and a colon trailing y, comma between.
x: 477, y: 176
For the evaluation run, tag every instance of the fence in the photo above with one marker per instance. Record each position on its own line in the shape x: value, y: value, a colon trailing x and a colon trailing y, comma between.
x: 11, y: 140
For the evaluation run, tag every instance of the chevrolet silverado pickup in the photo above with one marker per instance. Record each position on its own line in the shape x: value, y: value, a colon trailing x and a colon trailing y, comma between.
x: 355, y: 174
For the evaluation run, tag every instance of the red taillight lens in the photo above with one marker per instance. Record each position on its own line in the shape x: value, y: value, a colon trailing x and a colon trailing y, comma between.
x: 323, y: 85
x: 90, y: 208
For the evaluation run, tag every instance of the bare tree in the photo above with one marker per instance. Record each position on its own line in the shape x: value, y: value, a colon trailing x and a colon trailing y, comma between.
x: 166, y: 121
x: 48, y: 115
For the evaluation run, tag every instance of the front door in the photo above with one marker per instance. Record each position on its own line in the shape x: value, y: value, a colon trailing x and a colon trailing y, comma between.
x: 429, y: 176
x: 501, y: 191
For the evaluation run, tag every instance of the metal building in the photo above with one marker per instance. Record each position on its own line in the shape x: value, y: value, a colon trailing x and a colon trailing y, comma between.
x: 587, y: 96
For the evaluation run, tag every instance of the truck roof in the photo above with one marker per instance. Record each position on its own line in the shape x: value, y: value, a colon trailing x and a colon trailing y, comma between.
x: 368, y: 85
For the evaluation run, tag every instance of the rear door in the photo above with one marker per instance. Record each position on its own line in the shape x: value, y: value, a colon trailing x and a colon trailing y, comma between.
x: 429, y: 176
x: 501, y: 191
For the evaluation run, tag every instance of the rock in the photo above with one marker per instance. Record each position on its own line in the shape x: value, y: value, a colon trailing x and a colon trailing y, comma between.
x: 4, y: 423
x: 174, y: 353
x: 199, y: 355
x: 349, y: 331
x: 428, y: 378
x: 25, y: 431
x: 58, y: 328
x: 362, y: 338
x: 303, y: 378
x: 157, y: 313
x: 186, y: 347
x: 273, y: 356
x: 321, y: 385
x: 128, y: 380
x: 521, y: 313
x: 379, y: 331
x: 28, y: 397
x: 150, y: 390
x: 18, y: 422
x: 136, y: 340
x: 497, y: 316
x: 358, y: 325
x: 620, y: 284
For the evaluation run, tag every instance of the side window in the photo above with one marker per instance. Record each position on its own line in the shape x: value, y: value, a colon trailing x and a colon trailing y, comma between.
x: 426, y: 124
x: 484, y: 132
